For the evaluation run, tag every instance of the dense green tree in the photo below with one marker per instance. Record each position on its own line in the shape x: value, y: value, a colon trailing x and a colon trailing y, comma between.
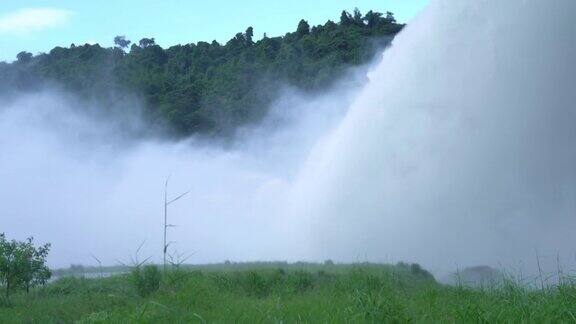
x: 249, y: 34
x: 207, y: 88
x: 146, y: 42
x: 372, y: 18
x: 346, y: 19
x: 390, y: 18
x: 303, y: 28
x: 24, y: 57
x: 121, y: 41
x: 357, y: 18
x: 33, y: 269
x: 22, y: 264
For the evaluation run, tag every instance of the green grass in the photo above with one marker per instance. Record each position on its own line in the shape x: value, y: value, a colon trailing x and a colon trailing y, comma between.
x: 311, y: 293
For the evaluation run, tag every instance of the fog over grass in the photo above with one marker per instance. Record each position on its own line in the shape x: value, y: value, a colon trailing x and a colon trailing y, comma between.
x: 459, y: 151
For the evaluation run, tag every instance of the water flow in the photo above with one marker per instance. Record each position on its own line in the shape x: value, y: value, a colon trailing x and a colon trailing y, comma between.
x: 460, y: 151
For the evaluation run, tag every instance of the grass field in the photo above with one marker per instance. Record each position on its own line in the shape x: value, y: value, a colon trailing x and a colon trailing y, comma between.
x: 282, y: 293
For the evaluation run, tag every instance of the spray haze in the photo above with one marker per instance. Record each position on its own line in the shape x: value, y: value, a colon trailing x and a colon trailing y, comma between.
x: 92, y: 183
x: 457, y: 151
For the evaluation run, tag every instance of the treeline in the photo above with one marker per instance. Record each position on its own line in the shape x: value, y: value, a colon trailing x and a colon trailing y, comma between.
x: 207, y: 88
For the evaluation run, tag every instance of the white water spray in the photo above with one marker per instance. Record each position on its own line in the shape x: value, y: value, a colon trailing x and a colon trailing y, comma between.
x: 461, y: 150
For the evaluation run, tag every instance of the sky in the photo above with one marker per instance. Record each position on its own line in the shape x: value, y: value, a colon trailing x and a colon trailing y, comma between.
x: 40, y: 25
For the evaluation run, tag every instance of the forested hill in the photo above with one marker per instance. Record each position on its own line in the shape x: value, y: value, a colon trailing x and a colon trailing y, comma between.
x: 207, y: 88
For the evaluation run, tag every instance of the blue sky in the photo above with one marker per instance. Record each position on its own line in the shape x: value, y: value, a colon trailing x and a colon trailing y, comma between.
x: 39, y: 25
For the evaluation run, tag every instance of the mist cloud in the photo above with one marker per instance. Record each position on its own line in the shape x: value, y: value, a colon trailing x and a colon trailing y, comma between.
x: 89, y: 179
x: 458, y: 152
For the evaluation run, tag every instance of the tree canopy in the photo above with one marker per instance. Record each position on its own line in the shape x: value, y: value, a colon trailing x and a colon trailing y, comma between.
x: 208, y: 88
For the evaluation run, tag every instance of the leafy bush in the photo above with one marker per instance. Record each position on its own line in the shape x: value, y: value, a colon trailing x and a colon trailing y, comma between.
x: 22, y: 265
x: 146, y: 279
x: 417, y: 270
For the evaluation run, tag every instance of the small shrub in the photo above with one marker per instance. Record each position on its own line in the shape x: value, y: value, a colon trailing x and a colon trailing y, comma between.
x: 146, y: 279
x: 415, y: 269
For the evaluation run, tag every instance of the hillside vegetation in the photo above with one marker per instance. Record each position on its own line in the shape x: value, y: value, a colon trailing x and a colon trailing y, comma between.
x: 206, y: 88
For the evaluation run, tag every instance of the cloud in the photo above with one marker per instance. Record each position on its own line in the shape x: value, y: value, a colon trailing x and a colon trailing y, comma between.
x: 28, y: 20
